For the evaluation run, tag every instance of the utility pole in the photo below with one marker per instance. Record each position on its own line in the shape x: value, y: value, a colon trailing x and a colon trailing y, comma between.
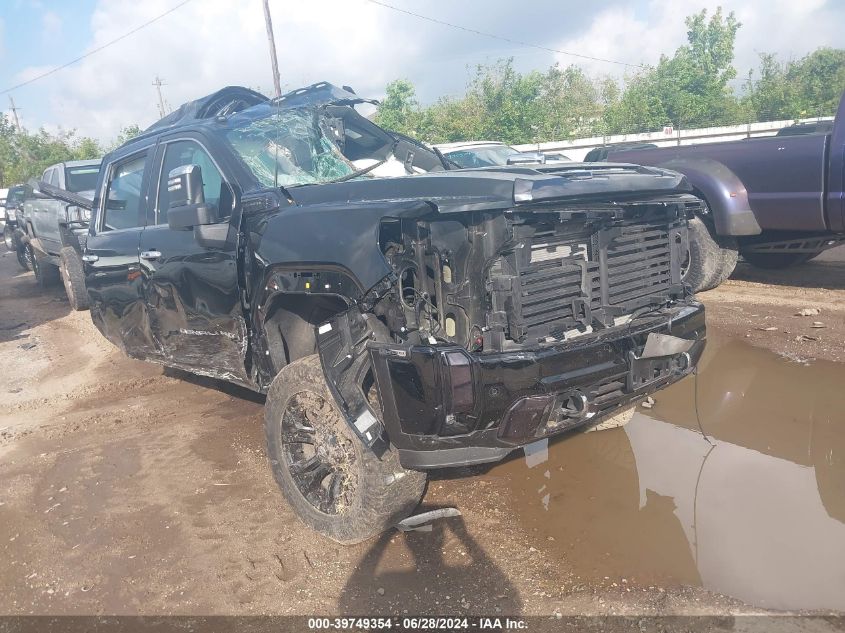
x: 158, y: 83
x: 15, y: 113
x: 277, y: 82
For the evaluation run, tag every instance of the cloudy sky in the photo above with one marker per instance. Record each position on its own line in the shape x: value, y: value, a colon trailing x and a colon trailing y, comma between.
x: 207, y: 44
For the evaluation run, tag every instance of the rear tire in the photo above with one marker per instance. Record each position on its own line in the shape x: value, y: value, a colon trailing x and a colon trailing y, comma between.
x: 46, y: 273
x: 336, y: 485
x: 9, y: 238
x: 24, y: 256
x: 775, y: 261
x: 730, y: 257
x: 711, y: 258
x: 73, y: 278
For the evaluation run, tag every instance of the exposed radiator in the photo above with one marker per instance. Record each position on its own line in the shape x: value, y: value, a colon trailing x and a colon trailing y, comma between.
x: 567, y: 281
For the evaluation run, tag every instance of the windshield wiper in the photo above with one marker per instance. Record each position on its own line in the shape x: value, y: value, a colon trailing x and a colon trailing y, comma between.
x: 354, y: 174
x: 448, y: 163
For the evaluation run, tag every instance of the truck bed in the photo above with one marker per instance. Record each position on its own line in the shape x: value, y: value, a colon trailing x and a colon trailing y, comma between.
x: 785, y: 176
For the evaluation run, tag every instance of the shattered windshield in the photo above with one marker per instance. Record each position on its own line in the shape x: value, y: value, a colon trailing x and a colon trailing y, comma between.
x: 288, y: 147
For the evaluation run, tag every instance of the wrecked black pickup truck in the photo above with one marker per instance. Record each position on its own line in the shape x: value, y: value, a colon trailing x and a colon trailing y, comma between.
x: 400, y: 315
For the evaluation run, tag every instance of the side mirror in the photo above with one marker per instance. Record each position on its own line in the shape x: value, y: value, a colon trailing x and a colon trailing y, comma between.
x: 187, y: 201
x: 35, y: 190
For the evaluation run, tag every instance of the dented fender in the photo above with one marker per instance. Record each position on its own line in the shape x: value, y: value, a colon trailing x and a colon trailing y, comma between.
x: 342, y: 344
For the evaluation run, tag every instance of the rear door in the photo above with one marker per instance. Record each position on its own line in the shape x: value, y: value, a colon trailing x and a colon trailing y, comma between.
x: 784, y: 176
x: 48, y: 214
x: 36, y: 207
x: 112, y: 270
x: 191, y: 283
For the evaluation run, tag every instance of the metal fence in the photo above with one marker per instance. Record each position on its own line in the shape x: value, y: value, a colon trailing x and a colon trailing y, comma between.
x: 577, y: 149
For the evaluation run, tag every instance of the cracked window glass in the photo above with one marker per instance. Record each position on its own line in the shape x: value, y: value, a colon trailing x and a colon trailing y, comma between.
x: 289, y: 147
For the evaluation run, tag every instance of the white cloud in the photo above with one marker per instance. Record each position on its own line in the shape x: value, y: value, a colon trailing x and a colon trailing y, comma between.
x: 51, y: 25
x: 206, y: 45
x: 639, y: 35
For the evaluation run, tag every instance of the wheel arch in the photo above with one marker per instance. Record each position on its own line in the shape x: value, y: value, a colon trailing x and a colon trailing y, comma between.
x: 723, y: 191
x: 287, y: 326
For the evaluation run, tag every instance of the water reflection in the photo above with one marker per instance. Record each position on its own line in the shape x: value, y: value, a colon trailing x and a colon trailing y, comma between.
x: 757, y: 512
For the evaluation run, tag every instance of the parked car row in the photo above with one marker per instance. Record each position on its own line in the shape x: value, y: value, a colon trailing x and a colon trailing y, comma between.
x: 399, y: 312
x: 47, y: 233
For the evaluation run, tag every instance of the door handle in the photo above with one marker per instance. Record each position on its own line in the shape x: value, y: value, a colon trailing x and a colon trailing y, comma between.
x: 150, y: 255
x: 87, y: 257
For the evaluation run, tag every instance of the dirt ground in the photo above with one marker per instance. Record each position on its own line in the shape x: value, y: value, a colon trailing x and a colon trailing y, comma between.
x: 763, y: 306
x: 126, y: 489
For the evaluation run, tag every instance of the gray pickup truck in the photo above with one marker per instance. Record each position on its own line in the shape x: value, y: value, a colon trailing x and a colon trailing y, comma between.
x: 55, y: 230
x: 778, y: 201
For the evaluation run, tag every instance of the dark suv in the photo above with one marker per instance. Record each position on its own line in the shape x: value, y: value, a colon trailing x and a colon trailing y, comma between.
x: 400, y: 315
x: 11, y: 228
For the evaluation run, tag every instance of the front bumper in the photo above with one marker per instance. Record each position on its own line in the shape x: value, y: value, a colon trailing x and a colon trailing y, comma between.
x: 446, y: 407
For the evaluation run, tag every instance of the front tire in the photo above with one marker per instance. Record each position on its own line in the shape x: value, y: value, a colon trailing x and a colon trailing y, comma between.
x: 711, y: 258
x: 336, y: 485
x: 73, y: 278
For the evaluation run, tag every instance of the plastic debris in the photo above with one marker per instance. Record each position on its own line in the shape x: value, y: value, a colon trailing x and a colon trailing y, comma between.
x: 422, y: 522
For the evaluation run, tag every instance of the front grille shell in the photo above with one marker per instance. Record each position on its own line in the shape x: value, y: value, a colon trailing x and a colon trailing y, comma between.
x: 563, y: 275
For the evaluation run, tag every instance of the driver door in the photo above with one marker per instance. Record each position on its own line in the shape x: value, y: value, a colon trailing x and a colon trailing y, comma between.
x: 112, y: 274
x: 190, y: 285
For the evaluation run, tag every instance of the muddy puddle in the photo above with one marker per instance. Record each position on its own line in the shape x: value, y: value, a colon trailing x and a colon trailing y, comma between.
x: 754, y: 510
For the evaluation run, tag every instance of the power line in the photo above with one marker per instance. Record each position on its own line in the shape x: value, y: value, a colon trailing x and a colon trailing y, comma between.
x: 503, y: 38
x: 96, y: 50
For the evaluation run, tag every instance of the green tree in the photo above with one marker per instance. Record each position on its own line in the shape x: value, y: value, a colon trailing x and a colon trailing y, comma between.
x: 399, y: 111
x: 689, y: 89
x: 87, y: 148
x: 25, y: 155
x: 808, y: 87
x: 692, y: 88
x: 500, y: 104
x: 126, y: 133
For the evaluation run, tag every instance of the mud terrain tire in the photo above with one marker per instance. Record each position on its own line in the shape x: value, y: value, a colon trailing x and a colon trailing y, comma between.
x: 46, y: 273
x: 374, y: 492
x: 712, y: 258
x: 73, y: 278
